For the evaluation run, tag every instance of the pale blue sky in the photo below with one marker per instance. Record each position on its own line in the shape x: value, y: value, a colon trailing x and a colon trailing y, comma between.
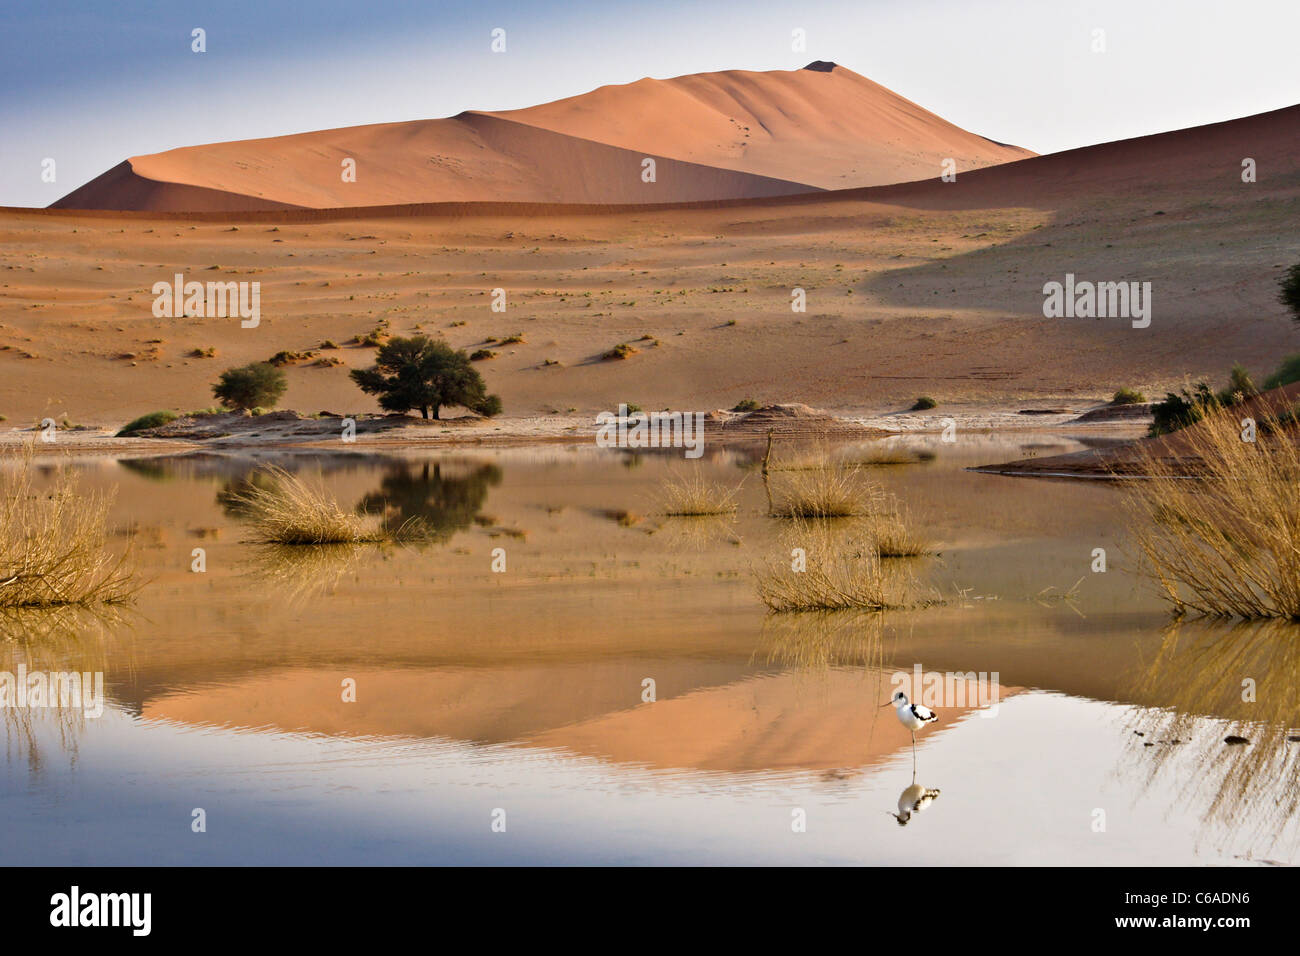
x: 89, y: 84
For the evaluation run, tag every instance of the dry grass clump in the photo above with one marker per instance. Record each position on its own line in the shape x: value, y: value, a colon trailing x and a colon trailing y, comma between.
x: 1226, y: 543
x: 53, y: 542
x: 288, y: 510
x: 691, y: 495
x: 894, y: 534
x: 823, y: 568
x: 827, y: 490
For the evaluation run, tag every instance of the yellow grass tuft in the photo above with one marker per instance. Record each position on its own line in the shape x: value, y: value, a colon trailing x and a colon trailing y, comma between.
x: 827, y: 490
x: 819, y: 567
x: 1226, y: 543
x: 289, y: 511
x: 53, y: 542
x: 691, y: 495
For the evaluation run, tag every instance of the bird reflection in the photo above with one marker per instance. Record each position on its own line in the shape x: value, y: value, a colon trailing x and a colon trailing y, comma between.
x: 913, y: 800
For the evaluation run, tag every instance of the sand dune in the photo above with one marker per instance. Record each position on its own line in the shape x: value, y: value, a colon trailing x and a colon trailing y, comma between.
x: 824, y: 125
x: 713, y: 136
x: 469, y: 157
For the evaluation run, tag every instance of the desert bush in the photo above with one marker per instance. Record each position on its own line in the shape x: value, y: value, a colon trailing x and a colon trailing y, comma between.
x: 621, y: 351
x: 54, y: 542
x: 923, y: 403
x: 1227, y: 542
x: 151, y: 420
x: 894, y: 535
x: 372, y: 339
x: 826, y: 489
x: 256, y: 385
x: 842, y: 570
x: 746, y: 405
x: 480, y: 355
x: 285, y: 509
x: 1128, y: 396
x: 1289, y: 290
x: 1287, y: 372
x: 691, y: 495
x: 287, y: 357
x: 1179, y: 410
x: 1239, y: 387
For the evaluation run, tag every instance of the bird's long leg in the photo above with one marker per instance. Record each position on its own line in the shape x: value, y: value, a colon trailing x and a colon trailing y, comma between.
x: 914, y: 756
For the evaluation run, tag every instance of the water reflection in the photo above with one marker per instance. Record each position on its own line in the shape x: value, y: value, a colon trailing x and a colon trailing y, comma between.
x: 913, y: 800
x: 442, y: 501
x: 1243, y: 678
x: 45, y: 641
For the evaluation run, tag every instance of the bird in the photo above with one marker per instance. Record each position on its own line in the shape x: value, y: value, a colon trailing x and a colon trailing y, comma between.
x: 913, y: 800
x: 912, y: 716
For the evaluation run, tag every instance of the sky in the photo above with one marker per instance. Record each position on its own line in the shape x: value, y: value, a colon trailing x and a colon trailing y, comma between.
x: 88, y: 84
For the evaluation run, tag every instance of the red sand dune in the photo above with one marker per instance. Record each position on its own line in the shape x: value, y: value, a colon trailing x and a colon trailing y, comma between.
x: 822, y: 125
x: 730, y: 135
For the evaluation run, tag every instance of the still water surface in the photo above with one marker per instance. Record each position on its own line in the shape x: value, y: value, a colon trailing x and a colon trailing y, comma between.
x: 518, y: 696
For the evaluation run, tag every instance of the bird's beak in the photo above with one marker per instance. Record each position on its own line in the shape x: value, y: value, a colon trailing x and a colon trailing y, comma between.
x: 886, y: 703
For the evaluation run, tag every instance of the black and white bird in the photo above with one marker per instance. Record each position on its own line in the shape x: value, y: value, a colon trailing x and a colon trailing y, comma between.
x: 912, y: 716
x: 913, y: 800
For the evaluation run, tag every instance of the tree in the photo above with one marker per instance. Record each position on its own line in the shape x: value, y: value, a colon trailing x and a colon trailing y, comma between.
x: 426, y: 374
x: 1290, y: 291
x: 256, y: 385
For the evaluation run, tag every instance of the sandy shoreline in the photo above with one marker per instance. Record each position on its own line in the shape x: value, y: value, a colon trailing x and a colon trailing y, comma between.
x: 473, y: 432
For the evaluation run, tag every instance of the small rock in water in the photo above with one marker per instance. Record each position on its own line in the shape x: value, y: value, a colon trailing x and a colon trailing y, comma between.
x: 1234, y: 739
x: 1139, y: 733
x: 1148, y: 744
x: 1294, y: 738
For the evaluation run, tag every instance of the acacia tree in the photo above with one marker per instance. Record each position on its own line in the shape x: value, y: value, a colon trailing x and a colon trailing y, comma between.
x: 426, y: 374
x: 250, y: 386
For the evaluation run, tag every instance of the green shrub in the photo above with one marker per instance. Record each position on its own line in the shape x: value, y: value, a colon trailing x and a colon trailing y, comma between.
x: 1182, y: 409
x: 257, y: 384
x: 152, y: 420
x: 480, y: 355
x: 746, y: 405
x: 1239, y: 388
x: 1289, y: 290
x: 924, y: 402
x: 1128, y: 396
x: 1287, y: 372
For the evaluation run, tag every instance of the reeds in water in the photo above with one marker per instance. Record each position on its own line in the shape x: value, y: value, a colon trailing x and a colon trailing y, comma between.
x: 54, y: 542
x: 1227, y: 542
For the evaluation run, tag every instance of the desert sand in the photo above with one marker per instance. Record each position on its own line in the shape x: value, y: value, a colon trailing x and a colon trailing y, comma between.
x: 922, y: 288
